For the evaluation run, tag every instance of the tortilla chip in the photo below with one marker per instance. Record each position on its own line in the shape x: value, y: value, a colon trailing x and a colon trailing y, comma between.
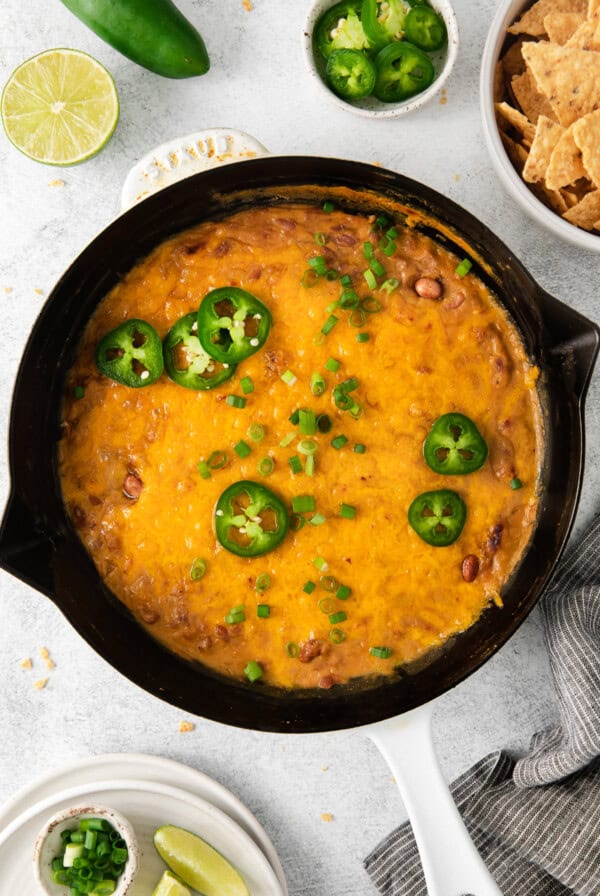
x: 565, y: 164
x: 586, y: 213
x: 516, y: 120
x: 512, y: 61
x: 547, y: 135
x: 515, y: 152
x: 597, y: 225
x: 586, y: 37
x: 553, y: 198
x: 570, y: 197
x: 586, y: 133
x: 569, y: 77
x: 532, y: 102
x: 593, y: 8
x: 560, y: 26
x: 532, y: 21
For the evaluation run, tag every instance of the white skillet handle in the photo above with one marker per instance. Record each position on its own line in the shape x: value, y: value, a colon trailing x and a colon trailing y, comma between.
x: 450, y: 860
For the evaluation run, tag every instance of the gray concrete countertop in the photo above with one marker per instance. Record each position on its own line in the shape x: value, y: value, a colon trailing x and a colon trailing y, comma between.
x: 258, y: 84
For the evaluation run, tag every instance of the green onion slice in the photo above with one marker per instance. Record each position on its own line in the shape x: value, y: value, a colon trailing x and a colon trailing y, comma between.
x: 242, y: 449
x: 256, y: 432
x: 326, y: 605
x: 329, y: 324
x: 328, y: 207
x: 292, y: 649
x: 336, y: 618
x: 328, y: 583
x: 336, y: 636
x: 382, y: 653
x: 309, y: 587
x: 317, y: 384
x: 463, y: 268
x: 266, y: 466
x: 303, y: 503
x: 309, y: 465
x: 308, y: 422
x: 324, y: 423
x: 317, y: 520
x: 332, y: 365
x: 263, y: 581
x: 320, y: 239
x: 253, y: 671
x: 247, y: 385
x: 309, y: 279
x: 347, y: 511
x: 236, y: 401
x: 343, y: 592
x: 307, y: 446
x: 216, y: 460
x: 198, y: 569
x: 339, y: 442
x: 370, y: 278
x: 516, y: 483
x: 359, y: 448
x: 295, y: 464
x: 389, y: 285
x: 297, y: 522
x: 263, y: 611
x: 289, y: 377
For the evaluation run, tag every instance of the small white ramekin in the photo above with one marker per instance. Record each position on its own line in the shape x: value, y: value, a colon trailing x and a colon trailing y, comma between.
x: 49, y: 844
x: 508, y: 12
x: 371, y: 107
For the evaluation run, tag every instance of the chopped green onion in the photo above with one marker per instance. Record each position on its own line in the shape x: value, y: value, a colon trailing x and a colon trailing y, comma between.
x: 253, y: 671
x: 309, y: 587
x: 359, y: 448
x: 371, y: 305
x: 389, y: 285
x: 317, y: 384
x: 263, y: 581
x: 370, y: 278
x: 332, y: 365
x: 294, y: 418
x: 349, y: 299
x: 342, y: 401
x: 78, y: 391
x: 295, y: 464
x: 318, y: 338
x: 303, y: 503
x: 308, y: 422
x: 297, y: 522
x: 203, y: 469
x: 263, y: 611
x: 368, y: 250
x: 356, y: 411
x: 317, y: 520
x: 289, y: 378
x: 292, y: 649
x: 340, y: 616
x: 336, y: 636
x: 236, y: 401
x: 217, y: 460
x: 329, y: 324
x: 463, y: 268
x: 349, y: 385
x: 331, y: 274
x: 236, y: 615
x: 307, y: 446
x: 392, y: 233
x: 338, y: 442
x: 309, y: 279
x: 320, y: 239
x: 328, y: 583
x: 256, y: 432
x: 346, y: 280
x: 347, y: 511
x: 389, y: 248
x: 247, y: 385
x: 318, y: 264
x: 324, y: 423
x: 309, y: 465
x: 321, y: 564
x: 328, y: 207
x: 362, y: 337
x: 377, y: 269
x: 343, y: 592
x: 381, y: 221
x: 332, y: 306
x: 90, y: 840
x: 326, y: 605
x: 516, y: 483
x: 382, y: 653
x: 242, y: 449
x: 198, y: 569
x: 266, y: 466
x: 287, y: 439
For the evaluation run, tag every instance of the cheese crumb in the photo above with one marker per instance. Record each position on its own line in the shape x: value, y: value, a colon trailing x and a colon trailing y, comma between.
x: 39, y: 292
x: 44, y: 653
x: 56, y: 183
x: 326, y: 816
x: 8, y: 289
x: 40, y: 684
x: 247, y: 4
x: 184, y: 727
x: 50, y: 664
x: 324, y: 768
x: 444, y: 97
x: 26, y: 663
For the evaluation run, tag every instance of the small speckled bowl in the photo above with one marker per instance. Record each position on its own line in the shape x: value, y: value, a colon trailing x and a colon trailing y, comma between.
x: 49, y: 844
x: 370, y: 106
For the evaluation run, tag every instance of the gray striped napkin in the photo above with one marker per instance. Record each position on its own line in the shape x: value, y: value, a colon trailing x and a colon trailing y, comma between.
x: 535, y: 821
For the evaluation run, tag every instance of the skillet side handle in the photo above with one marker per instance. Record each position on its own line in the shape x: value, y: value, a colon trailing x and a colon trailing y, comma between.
x: 451, y: 862
x: 575, y: 341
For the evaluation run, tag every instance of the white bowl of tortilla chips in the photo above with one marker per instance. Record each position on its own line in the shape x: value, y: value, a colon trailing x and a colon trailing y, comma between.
x: 540, y: 99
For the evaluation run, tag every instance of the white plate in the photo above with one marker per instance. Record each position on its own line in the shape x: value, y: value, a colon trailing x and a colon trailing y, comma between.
x: 147, y: 806
x: 151, y: 769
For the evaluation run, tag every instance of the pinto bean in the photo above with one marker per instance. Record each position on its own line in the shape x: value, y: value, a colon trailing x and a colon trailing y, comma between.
x: 222, y: 249
x: 470, y: 568
x: 494, y: 539
x: 148, y: 614
x: 455, y: 301
x: 344, y: 239
x: 325, y: 682
x: 132, y: 486
x: 221, y: 632
x: 309, y: 650
x: 428, y: 288
x: 502, y: 457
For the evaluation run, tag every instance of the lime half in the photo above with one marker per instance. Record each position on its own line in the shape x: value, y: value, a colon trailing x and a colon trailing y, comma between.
x: 169, y: 885
x: 60, y: 107
x: 197, y: 863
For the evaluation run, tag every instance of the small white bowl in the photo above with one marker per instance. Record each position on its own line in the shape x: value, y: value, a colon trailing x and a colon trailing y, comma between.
x: 49, y: 844
x: 370, y: 106
x: 507, y: 13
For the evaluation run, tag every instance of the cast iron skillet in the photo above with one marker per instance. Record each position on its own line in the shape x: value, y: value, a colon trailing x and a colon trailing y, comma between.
x: 39, y: 545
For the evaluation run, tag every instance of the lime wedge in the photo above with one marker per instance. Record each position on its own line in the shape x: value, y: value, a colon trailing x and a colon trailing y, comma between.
x: 60, y: 107
x: 197, y: 863
x: 169, y: 885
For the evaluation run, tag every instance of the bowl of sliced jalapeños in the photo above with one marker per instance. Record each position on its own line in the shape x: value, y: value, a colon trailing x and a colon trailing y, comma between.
x: 381, y: 59
x: 39, y: 544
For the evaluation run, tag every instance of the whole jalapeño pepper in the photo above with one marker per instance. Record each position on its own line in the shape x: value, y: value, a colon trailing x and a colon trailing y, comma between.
x: 153, y: 33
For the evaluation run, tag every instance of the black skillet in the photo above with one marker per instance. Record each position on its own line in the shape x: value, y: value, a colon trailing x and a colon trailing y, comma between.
x: 38, y: 544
